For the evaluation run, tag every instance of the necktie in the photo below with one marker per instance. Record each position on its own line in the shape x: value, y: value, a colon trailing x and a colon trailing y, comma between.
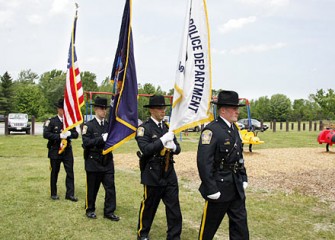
x: 160, y: 125
x: 102, y: 123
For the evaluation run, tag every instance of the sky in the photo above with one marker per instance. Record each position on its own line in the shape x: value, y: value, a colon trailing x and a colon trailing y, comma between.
x: 258, y: 47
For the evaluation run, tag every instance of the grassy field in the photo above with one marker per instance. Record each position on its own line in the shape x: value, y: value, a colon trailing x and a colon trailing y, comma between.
x: 28, y: 212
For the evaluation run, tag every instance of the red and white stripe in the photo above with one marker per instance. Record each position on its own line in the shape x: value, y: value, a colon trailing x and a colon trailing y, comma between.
x: 73, y: 98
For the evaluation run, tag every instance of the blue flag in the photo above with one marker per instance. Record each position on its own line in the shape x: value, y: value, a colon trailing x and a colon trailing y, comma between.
x: 123, y: 117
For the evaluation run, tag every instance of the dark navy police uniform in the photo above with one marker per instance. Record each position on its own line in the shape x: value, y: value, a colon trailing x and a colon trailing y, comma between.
x: 51, y: 131
x: 158, y: 184
x: 99, y: 168
x: 221, y: 169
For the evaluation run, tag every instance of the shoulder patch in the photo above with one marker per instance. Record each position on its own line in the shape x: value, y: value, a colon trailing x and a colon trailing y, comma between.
x: 47, y: 123
x: 85, y: 129
x: 206, y: 136
x: 140, y: 132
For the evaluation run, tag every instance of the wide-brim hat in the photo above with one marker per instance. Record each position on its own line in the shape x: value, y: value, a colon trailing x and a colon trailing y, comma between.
x: 228, y: 98
x: 100, y: 102
x: 60, y: 103
x: 156, y: 101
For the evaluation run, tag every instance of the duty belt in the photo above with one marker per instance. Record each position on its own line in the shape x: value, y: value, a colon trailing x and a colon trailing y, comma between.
x: 232, y: 167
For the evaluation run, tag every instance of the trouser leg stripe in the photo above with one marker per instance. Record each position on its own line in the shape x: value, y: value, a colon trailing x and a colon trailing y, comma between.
x: 203, y: 221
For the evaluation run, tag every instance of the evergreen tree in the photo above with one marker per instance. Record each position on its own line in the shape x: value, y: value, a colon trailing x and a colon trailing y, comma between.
x: 6, y: 94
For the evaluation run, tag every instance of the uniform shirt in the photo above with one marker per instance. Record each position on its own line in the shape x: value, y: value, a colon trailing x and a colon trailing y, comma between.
x: 148, y: 140
x: 93, y: 145
x: 220, y: 144
x: 51, y: 131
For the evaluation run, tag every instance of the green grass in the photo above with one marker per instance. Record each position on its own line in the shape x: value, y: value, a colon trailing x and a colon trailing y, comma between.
x: 28, y: 213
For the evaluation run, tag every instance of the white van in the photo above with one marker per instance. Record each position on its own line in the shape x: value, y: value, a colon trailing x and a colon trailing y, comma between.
x: 18, y: 122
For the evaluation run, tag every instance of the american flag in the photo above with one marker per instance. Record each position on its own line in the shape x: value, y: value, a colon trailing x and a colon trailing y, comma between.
x: 73, y: 93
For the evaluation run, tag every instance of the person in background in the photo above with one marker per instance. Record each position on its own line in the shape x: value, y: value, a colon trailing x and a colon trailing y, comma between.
x: 52, y: 130
x: 222, y: 172
x: 99, y: 168
x: 158, y: 175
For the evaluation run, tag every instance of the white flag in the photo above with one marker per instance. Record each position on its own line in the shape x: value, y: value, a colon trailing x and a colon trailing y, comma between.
x: 193, y: 85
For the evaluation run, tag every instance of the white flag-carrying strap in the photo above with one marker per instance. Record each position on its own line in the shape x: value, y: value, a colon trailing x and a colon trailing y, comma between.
x: 193, y: 84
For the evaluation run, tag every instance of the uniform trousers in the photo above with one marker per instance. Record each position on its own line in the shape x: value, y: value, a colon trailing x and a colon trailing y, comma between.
x: 69, y: 181
x: 94, y: 180
x: 213, y: 216
x: 151, y: 198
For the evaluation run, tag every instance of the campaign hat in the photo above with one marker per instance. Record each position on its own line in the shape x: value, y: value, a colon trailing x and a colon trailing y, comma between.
x: 60, y: 103
x: 100, y: 102
x: 228, y: 98
x: 156, y: 101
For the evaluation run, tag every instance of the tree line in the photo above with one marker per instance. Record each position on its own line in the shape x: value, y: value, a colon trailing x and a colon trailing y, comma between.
x: 36, y: 94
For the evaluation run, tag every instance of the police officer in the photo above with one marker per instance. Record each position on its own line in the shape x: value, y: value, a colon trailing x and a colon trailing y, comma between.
x: 99, y: 168
x: 222, y: 172
x: 158, y: 176
x: 52, y: 131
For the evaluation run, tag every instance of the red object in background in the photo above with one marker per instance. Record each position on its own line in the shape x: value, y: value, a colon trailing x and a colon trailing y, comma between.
x: 327, y: 136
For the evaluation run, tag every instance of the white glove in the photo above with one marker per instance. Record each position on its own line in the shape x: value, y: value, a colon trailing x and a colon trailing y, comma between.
x: 63, y: 136
x: 245, y: 185
x: 170, y: 145
x: 167, y: 137
x: 104, y: 136
x: 68, y: 133
x: 214, y: 196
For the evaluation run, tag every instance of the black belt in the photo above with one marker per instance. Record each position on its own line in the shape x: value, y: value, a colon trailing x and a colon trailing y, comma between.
x: 231, y: 167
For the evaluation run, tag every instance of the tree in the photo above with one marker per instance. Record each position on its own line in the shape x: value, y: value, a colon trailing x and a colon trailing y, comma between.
x: 106, y: 85
x: 280, y: 107
x: 52, y: 86
x: 326, y: 101
x: 261, y: 108
x: 171, y: 92
x: 305, y: 110
x: 88, y: 80
x: 27, y: 76
x: 6, y: 94
x: 29, y: 99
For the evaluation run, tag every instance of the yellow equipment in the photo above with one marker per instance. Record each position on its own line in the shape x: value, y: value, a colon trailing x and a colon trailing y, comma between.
x: 250, y: 137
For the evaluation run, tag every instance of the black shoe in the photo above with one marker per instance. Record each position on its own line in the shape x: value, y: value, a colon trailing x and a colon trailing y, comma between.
x: 143, y: 238
x: 91, y: 215
x: 54, y: 197
x: 112, y: 217
x: 72, y: 198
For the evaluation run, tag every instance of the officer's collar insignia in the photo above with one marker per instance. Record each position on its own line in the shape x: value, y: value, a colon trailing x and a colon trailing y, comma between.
x: 140, y: 132
x: 85, y: 129
x: 206, y: 136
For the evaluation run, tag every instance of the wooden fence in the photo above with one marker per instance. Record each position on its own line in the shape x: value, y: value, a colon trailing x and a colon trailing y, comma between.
x: 299, y: 126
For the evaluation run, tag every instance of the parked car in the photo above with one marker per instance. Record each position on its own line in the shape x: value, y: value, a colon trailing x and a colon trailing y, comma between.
x: 18, y: 122
x: 256, y: 125
x: 2, y: 118
x: 240, y: 125
x: 194, y: 129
